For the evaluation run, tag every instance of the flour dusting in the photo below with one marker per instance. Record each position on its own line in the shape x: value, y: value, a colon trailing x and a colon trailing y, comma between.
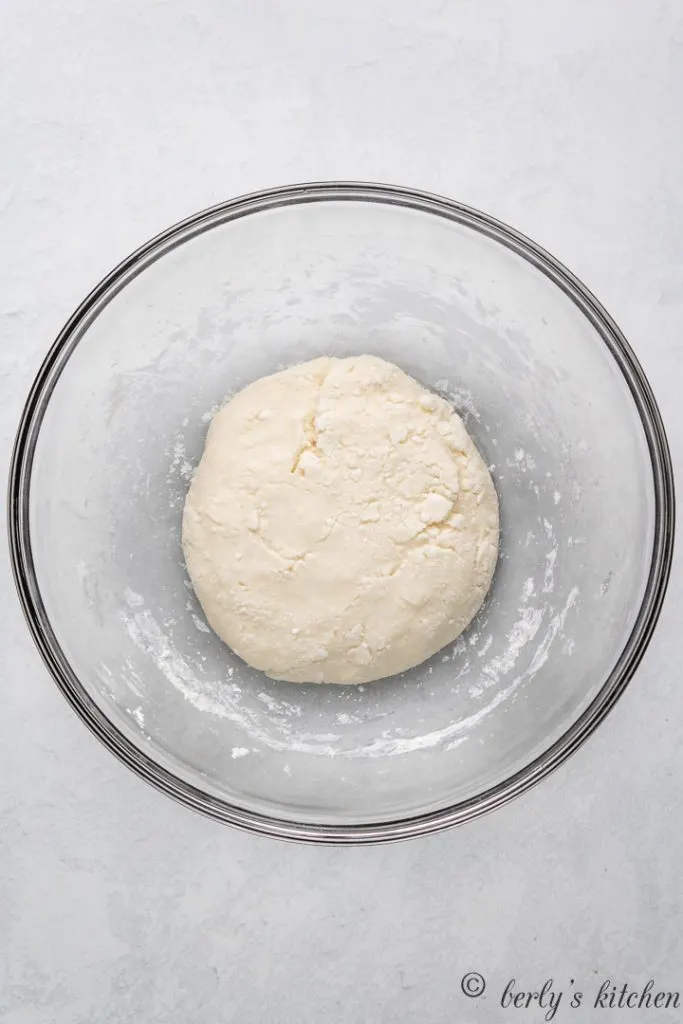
x: 486, y: 665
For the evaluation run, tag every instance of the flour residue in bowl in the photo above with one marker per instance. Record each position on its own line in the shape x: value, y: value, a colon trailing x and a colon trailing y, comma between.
x: 488, y: 665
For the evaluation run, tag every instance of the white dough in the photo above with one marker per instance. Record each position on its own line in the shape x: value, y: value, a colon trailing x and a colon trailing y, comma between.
x: 341, y: 526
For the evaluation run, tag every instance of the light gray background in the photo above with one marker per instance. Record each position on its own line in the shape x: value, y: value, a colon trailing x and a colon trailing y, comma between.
x: 562, y: 117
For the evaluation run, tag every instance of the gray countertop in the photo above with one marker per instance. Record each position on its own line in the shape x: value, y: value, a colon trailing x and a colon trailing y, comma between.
x: 119, y: 118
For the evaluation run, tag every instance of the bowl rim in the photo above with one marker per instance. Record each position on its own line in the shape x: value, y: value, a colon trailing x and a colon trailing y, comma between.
x: 120, y: 745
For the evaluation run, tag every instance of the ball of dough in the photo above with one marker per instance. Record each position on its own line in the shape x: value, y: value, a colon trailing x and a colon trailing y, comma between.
x: 341, y: 526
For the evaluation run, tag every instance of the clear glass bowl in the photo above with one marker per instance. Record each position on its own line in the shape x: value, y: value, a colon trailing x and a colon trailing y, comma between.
x: 553, y: 397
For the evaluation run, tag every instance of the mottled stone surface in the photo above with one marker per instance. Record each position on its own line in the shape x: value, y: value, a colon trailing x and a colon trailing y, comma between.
x: 118, y: 118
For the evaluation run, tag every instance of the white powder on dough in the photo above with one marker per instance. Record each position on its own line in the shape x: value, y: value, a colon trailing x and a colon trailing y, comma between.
x: 341, y: 526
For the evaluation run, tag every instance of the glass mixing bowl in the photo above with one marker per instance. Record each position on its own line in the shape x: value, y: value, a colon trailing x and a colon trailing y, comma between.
x: 555, y: 401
